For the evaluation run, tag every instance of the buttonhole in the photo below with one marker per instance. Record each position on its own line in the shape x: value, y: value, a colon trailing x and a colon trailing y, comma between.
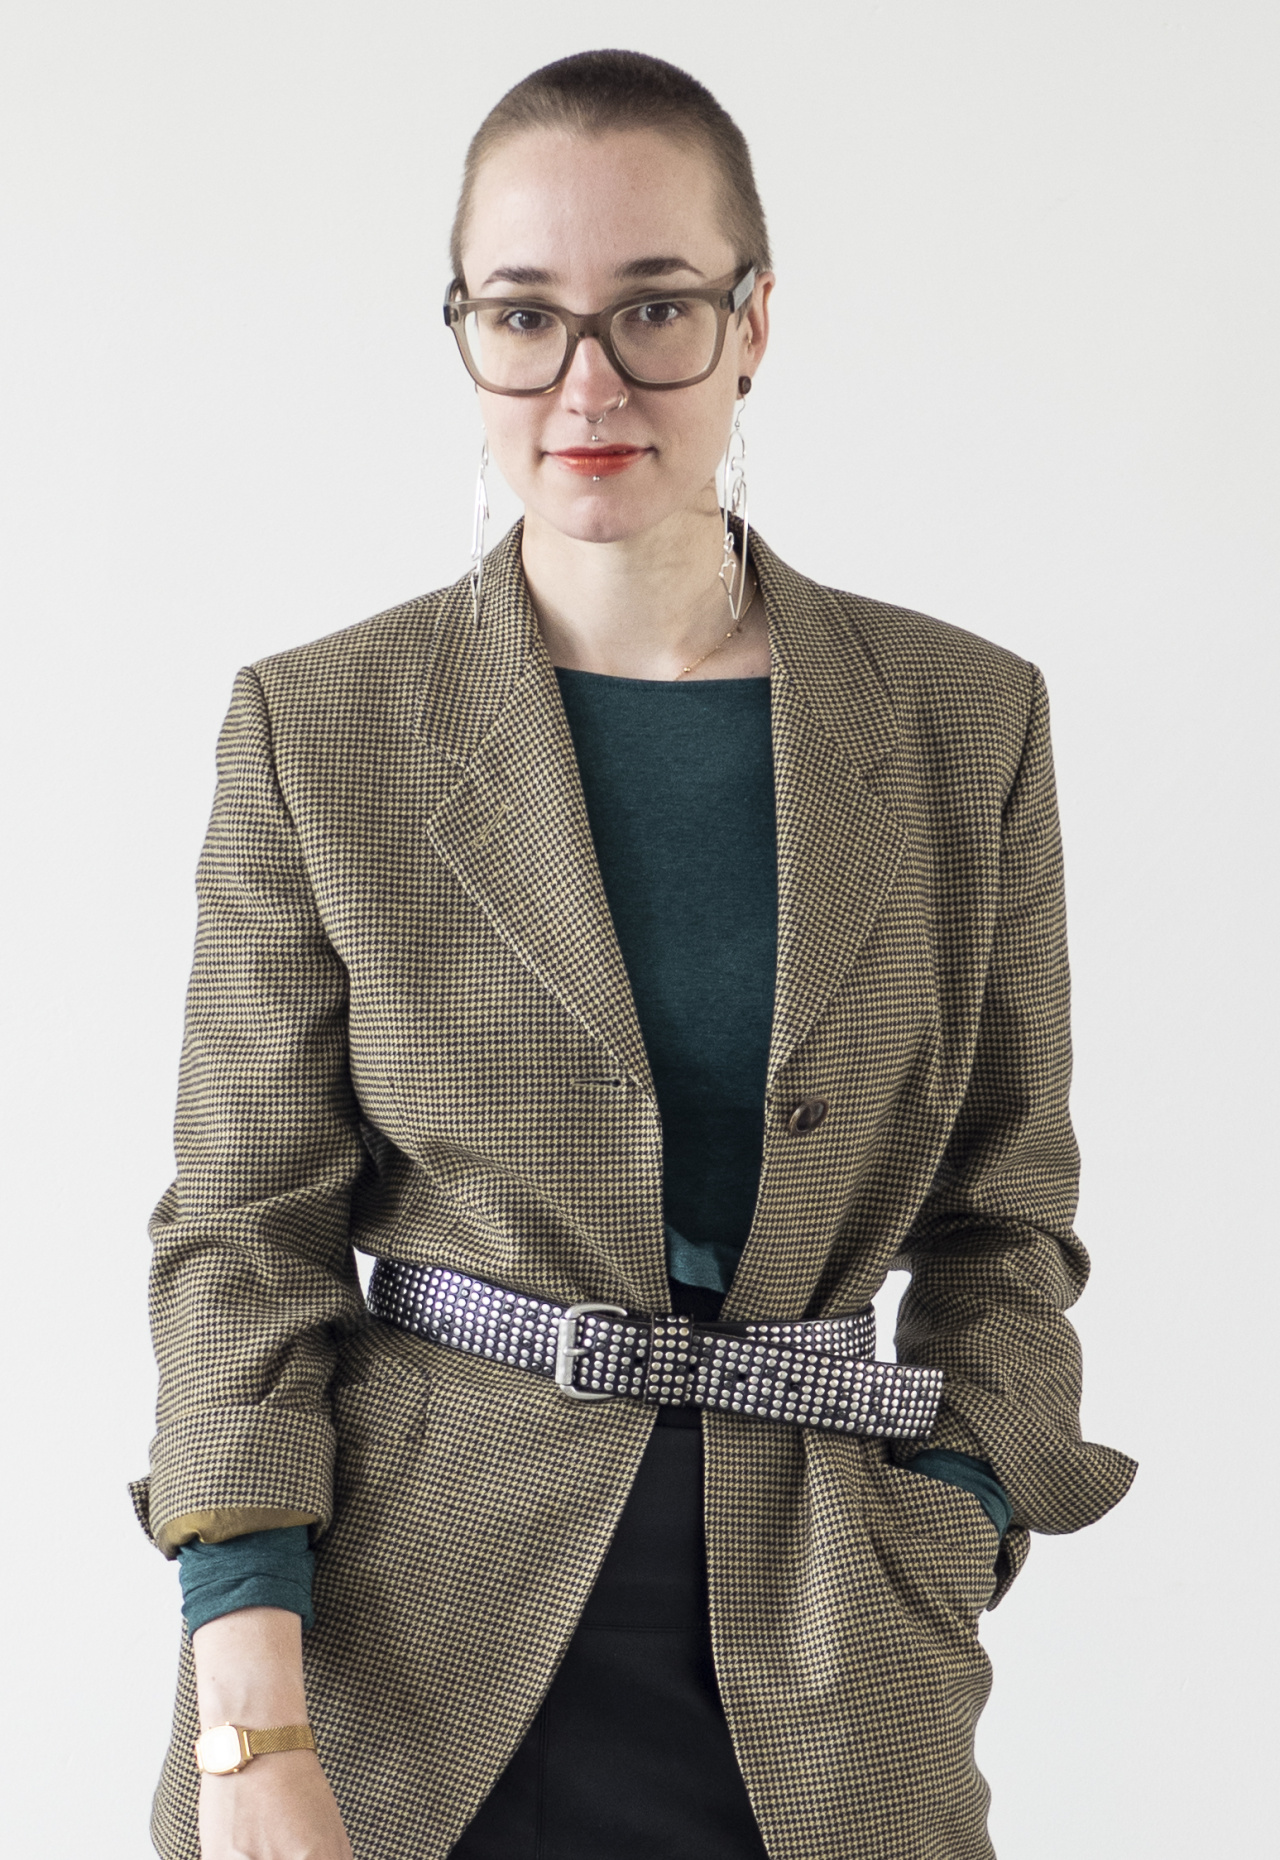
x: 488, y: 827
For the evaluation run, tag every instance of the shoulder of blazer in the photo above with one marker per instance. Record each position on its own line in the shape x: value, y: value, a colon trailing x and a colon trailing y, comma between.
x: 393, y: 644
x: 423, y: 665
x: 964, y: 706
x: 916, y: 653
x: 942, y: 678
x: 877, y: 676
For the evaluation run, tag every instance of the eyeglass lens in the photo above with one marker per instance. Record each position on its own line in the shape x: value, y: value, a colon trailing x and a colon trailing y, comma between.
x: 667, y: 339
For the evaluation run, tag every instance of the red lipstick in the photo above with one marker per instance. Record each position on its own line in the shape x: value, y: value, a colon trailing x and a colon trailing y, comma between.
x: 599, y: 461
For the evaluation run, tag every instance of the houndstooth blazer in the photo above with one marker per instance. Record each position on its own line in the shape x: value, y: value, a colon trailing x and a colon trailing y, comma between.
x: 410, y: 1031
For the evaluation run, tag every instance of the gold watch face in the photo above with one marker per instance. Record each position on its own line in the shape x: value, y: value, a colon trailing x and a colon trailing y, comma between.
x: 218, y: 1750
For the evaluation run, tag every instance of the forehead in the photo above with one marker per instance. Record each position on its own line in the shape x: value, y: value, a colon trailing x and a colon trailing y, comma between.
x: 573, y: 205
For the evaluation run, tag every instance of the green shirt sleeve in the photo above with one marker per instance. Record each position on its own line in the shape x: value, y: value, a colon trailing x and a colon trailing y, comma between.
x: 262, y: 1569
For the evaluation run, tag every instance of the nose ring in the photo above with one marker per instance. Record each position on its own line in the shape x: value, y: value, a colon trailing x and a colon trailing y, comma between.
x: 594, y: 419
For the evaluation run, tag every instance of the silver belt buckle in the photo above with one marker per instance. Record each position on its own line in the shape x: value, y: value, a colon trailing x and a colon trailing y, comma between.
x: 568, y: 1350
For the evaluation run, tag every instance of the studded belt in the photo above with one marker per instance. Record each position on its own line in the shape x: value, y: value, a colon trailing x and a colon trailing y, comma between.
x: 819, y: 1373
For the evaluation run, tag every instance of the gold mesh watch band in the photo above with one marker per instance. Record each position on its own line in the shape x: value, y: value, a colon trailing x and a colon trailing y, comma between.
x: 280, y: 1737
x: 224, y: 1749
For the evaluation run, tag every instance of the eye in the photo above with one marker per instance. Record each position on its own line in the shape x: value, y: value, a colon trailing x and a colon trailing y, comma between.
x: 525, y: 322
x: 659, y: 313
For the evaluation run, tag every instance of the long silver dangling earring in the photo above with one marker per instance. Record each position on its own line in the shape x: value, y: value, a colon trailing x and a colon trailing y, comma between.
x: 733, y: 572
x: 477, y: 532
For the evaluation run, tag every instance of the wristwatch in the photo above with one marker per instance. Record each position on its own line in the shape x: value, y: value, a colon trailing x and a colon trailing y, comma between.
x: 225, y: 1748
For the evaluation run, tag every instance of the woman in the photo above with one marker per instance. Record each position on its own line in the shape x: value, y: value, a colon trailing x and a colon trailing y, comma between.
x: 635, y: 925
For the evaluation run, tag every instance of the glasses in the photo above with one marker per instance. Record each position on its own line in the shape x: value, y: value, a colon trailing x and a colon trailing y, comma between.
x: 516, y: 345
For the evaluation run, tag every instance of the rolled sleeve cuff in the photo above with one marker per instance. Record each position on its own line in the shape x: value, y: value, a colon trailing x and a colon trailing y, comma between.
x: 262, y: 1459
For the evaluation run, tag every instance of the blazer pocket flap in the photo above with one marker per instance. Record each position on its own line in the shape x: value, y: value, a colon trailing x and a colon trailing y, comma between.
x: 377, y: 1392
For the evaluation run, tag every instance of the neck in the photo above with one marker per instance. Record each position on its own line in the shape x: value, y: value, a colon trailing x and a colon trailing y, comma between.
x: 645, y: 606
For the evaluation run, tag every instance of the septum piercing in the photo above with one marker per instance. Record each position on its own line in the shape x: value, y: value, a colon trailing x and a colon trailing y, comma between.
x: 594, y: 419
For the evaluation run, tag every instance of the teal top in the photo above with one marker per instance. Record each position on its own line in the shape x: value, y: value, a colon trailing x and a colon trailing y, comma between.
x: 678, y: 784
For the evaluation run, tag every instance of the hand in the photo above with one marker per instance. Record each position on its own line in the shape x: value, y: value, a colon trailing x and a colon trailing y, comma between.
x: 279, y: 1807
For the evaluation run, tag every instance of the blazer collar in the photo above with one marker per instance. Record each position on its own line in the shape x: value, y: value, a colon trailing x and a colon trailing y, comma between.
x: 513, y: 826
x: 474, y: 669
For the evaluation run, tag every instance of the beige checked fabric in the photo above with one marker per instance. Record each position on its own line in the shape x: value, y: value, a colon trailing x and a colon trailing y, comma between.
x: 410, y: 1031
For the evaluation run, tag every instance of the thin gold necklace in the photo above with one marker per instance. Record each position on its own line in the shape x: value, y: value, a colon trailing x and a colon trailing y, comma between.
x: 720, y: 644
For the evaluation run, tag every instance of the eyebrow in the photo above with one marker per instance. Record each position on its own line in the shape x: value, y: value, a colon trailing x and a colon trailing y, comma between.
x: 636, y: 270
x: 655, y: 268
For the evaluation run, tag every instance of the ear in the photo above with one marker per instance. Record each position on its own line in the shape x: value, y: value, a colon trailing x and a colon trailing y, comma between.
x: 754, y: 323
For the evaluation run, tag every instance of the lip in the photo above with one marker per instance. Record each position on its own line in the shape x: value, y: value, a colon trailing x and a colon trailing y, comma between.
x: 598, y: 461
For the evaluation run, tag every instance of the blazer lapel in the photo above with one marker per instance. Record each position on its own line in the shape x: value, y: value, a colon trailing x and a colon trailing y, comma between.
x: 513, y: 827
x: 839, y: 846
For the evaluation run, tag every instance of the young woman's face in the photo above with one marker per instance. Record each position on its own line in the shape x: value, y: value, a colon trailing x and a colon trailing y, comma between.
x: 583, y: 221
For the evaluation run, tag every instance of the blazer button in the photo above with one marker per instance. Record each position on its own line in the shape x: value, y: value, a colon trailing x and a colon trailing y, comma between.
x: 807, y: 1115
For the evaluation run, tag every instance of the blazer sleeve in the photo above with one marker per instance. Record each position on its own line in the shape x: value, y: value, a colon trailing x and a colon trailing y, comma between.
x: 253, y: 1276
x: 994, y: 1261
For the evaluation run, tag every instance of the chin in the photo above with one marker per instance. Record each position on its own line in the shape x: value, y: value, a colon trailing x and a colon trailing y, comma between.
x: 608, y: 518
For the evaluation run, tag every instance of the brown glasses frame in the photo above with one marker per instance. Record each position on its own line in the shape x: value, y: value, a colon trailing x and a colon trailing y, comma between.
x: 727, y: 298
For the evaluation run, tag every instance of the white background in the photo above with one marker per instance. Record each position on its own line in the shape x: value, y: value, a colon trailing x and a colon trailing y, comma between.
x: 1024, y: 377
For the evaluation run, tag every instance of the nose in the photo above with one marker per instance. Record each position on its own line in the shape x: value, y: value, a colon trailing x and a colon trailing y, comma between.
x: 592, y: 387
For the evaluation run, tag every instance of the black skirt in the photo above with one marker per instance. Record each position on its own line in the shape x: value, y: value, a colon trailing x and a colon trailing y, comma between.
x: 629, y: 1757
